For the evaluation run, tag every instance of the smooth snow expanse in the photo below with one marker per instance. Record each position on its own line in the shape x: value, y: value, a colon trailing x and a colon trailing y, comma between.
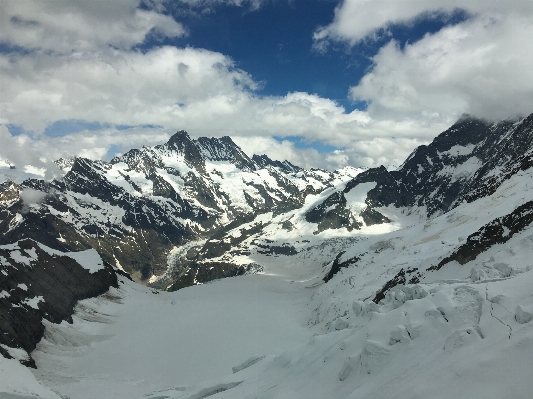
x: 134, y: 341
x: 17, y: 382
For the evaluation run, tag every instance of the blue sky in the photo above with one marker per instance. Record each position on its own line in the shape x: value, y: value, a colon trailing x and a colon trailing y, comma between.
x: 322, y: 83
x: 275, y: 45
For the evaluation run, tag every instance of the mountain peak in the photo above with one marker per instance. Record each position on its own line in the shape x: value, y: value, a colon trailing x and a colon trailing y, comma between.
x: 182, y: 142
x: 225, y: 149
x: 178, y: 138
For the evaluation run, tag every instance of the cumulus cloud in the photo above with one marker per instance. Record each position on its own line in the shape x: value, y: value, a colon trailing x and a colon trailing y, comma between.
x: 80, y: 63
x: 189, y: 88
x: 22, y: 150
x: 387, y: 151
x: 30, y: 197
x: 480, y: 66
x: 282, y: 150
x: 356, y: 20
x: 41, y: 152
x: 117, y: 87
x: 63, y: 26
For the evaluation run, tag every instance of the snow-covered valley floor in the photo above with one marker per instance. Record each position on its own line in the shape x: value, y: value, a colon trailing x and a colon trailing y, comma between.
x: 446, y: 339
x: 136, y: 341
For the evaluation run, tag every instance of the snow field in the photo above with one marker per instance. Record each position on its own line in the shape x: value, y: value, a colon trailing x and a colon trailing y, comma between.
x: 464, y: 331
x: 144, y: 341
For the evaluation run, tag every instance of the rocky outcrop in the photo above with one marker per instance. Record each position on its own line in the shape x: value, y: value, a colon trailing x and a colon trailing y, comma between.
x: 498, y: 231
x: 468, y: 161
x: 38, y: 283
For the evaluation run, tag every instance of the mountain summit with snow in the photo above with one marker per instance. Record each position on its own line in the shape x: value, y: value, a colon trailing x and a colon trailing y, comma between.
x: 411, y: 283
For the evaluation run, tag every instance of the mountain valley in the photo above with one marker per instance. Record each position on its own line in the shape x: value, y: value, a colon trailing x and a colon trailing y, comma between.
x: 191, y: 270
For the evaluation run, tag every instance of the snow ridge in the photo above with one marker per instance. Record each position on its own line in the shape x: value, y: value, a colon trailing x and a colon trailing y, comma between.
x: 356, y: 283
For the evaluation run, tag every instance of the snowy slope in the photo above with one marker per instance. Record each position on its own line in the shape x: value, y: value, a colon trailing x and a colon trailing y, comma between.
x: 39, y: 284
x: 135, y: 341
x: 414, y: 283
x: 450, y: 334
x: 146, y: 203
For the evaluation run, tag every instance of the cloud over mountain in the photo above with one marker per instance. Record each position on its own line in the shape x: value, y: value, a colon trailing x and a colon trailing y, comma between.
x: 116, y: 65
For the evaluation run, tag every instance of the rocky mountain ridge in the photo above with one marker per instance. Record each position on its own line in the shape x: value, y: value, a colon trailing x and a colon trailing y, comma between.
x: 132, y: 213
x: 456, y: 214
x: 134, y: 209
x: 468, y: 162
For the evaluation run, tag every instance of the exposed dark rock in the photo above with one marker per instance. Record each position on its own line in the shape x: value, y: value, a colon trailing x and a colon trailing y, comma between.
x: 285, y: 249
x: 263, y: 161
x: 209, y: 271
x: 399, y: 278
x: 371, y: 216
x: 332, y: 214
x: 224, y: 149
x: 287, y: 225
x: 498, y: 231
x: 183, y: 144
x: 338, y: 265
x: 45, y: 287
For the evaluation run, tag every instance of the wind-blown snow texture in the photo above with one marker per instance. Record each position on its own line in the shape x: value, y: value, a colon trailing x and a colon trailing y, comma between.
x: 413, y: 283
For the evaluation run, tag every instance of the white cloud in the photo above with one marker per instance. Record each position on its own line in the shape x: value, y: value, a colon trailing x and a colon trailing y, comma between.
x: 64, y: 26
x: 29, y: 197
x: 284, y: 150
x: 42, y: 151
x: 192, y: 89
x: 356, y: 20
x: 23, y: 150
x: 86, y: 69
x: 387, y: 151
x: 481, y: 66
x: 117, y: 87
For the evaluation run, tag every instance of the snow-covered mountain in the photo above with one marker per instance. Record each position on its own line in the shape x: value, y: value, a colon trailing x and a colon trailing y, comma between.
x: 468, y: 162
x: 141, y: 213
x: 141, y: 206
x: 413, y: 283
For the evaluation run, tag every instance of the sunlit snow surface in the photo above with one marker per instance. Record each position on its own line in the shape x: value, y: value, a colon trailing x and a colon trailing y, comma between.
x: 465, y: 331
x: 134, y: 341
x: 289, y: 336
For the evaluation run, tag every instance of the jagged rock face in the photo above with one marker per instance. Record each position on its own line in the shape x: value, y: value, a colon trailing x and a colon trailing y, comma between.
x: 498, y: 231
x: 332, y: 214
x: 139, y: 206
x: 224, y: 253
x: 264, y: 161
x: 39, y: 283
x: 224, y: 149
x: 468, y: 161
x: 131, y: 232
